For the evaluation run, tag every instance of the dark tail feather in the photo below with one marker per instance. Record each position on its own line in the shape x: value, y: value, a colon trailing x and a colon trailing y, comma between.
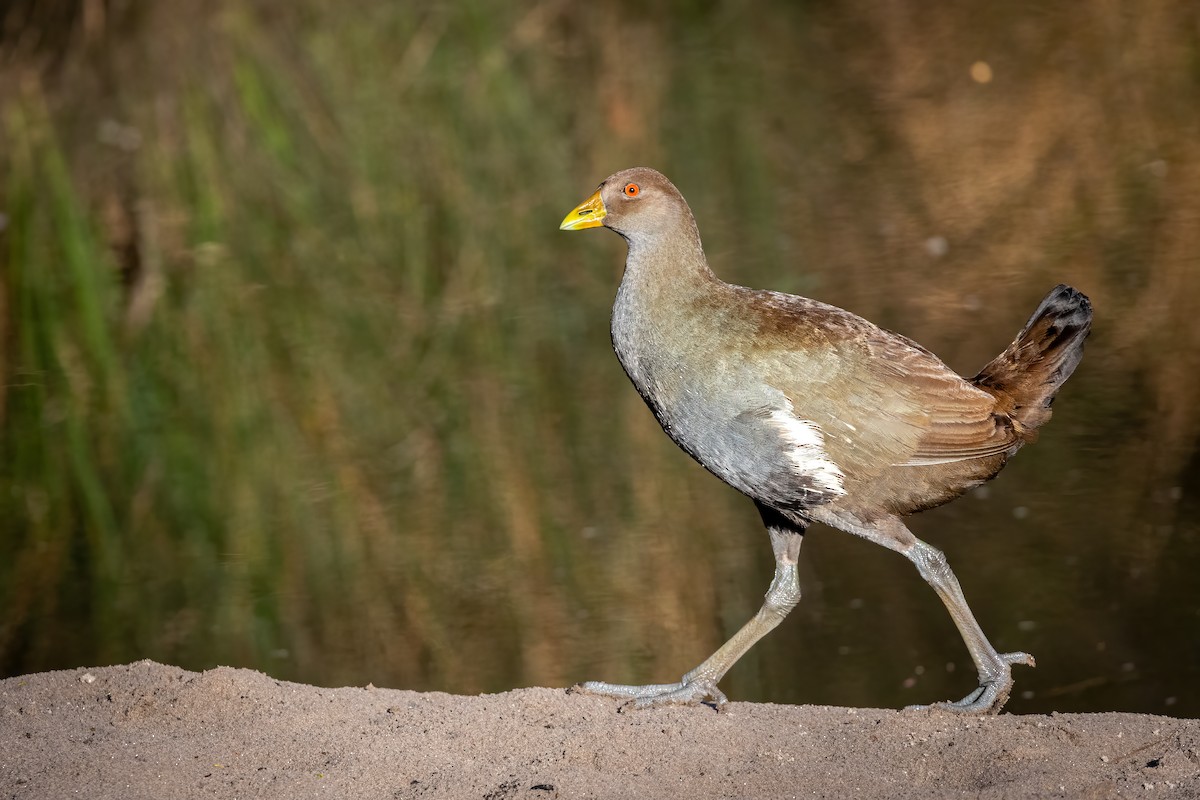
x: 1032, y: 369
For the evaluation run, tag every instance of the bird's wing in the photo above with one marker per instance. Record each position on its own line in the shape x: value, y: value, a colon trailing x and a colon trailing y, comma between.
x: 880, y: 399
x: 961, y: 419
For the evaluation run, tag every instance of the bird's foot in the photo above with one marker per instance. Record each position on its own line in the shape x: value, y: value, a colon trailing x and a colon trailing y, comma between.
x: 685, y: 693
x: 993, y: 690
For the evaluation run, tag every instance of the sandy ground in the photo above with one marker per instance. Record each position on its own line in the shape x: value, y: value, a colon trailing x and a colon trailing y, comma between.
x: 146, y: 730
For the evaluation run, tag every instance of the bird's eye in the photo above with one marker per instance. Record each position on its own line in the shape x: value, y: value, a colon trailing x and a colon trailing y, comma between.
x: 632, y: 190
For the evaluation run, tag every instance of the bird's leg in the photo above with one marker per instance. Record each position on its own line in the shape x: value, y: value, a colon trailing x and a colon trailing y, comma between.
x: 701, y: 683
x: 995, y: 669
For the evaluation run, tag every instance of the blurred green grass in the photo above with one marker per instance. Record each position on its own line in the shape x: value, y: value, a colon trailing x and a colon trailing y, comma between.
x: 301, y: 376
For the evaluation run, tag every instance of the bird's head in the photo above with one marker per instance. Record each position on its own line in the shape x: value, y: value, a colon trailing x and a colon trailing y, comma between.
x: 633, y: 202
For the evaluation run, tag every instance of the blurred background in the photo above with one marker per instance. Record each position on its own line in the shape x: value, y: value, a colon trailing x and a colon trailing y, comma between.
x: 300, y: 375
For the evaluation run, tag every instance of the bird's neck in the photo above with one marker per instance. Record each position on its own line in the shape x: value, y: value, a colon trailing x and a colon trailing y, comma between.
x: 666, y: 271
x: 654, y: 317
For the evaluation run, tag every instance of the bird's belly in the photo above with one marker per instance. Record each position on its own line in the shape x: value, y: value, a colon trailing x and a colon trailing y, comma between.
x: 723, y: 418
x: 733, y: 432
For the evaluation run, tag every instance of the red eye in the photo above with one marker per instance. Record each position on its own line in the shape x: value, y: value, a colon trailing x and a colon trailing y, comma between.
x: 631, y: 190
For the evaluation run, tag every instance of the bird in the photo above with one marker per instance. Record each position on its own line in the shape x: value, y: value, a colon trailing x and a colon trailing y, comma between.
x: 816, y: 415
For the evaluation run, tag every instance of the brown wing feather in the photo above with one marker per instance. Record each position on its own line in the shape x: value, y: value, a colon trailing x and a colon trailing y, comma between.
x: 962, y: 419
x: 881, y: 399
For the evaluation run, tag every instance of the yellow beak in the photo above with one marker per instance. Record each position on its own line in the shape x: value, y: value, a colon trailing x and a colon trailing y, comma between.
x: 588, y: 214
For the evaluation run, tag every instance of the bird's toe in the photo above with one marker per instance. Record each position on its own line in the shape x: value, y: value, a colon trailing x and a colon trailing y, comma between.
x: 685, y: 693
x: 1024, y: 659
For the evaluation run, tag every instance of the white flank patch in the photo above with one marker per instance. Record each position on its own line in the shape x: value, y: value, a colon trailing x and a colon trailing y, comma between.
x: 807, y: 451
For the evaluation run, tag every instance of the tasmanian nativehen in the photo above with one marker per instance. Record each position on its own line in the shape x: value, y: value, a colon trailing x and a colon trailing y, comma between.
x: 816, y: 414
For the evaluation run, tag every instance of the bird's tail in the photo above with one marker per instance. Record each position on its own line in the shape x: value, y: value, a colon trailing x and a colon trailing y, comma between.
x: 1031, y: 370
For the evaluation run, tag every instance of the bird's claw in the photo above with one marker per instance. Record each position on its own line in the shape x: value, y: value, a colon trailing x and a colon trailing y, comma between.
x: 992, y: 693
